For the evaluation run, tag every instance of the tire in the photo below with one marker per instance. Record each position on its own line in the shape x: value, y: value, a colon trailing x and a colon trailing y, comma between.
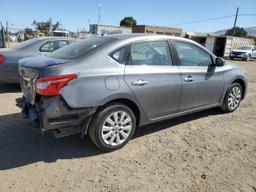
x: 107, y: 124
x: 232, y: 98
x: 248, y: 58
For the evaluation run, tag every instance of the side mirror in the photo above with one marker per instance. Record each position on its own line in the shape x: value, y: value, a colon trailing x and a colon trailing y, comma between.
x: 219, y: 62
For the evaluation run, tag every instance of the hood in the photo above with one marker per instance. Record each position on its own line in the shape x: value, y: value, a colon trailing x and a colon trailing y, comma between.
x: 229, y: 65
x: 242, y: 51
x: 40, y: 62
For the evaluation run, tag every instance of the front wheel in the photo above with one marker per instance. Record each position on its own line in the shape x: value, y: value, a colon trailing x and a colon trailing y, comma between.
x: 112, y: 127
x: 233, y: 98
x: 248, y: 58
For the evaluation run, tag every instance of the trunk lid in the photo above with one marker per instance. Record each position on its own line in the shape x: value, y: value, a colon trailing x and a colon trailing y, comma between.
x: 40, y: 62
x: 30, y: 70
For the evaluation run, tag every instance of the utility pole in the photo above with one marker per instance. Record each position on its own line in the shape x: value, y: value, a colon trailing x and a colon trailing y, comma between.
x: 2, y: 40
x: 99, y: 12
x: 7, y: 32
x: 89, y: 21
x: 237, y: 10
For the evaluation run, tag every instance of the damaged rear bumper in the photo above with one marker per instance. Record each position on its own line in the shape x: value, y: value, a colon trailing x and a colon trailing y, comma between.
x: 53, y: 115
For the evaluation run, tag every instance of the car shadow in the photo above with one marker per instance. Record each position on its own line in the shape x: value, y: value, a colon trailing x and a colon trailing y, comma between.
x: 155, y: 127
x: 9, y: 88
x: 20, y: 145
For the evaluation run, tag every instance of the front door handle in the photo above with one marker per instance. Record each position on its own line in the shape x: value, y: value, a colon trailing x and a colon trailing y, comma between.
x: 139, y: 82
x: 189, y: 79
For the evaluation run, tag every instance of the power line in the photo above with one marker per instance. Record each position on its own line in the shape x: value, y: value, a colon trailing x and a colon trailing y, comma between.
x: 250, y: 14
x: 211, y: 19
x: 15, y: 29
x: 204, y: 20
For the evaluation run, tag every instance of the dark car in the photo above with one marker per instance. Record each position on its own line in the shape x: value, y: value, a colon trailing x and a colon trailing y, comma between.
x: 108, y: 86
x: 9, y: 57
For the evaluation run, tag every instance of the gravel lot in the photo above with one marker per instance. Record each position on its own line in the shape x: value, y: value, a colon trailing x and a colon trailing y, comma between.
x: 207, y: 151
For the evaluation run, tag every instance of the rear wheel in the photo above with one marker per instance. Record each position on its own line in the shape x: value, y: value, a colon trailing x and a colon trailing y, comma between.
x: 233, y: 98
x: 112, y: 127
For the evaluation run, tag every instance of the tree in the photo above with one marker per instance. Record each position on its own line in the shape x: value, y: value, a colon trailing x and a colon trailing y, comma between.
x: 128, y: 22
x: 236, y: 32
x: 46, y: 26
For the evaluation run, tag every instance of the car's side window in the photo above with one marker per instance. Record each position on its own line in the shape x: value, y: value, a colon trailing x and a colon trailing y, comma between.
x: 150, y: 53
x: 191, y: 55
x: 47, y: 47
x: 119, y: 55
x: 60, y: 44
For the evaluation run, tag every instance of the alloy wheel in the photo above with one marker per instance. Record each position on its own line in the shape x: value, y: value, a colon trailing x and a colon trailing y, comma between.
x: 234, y: 97
x: 116, y: 128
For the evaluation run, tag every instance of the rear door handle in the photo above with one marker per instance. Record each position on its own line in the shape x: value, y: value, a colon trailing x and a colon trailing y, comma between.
x: 139, y: 82
x: 189, y: 79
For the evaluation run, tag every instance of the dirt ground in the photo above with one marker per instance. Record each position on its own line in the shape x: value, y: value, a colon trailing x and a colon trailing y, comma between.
x: 207, y: 151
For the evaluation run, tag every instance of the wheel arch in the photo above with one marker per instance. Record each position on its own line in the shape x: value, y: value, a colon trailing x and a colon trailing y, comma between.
x: 242, y: 83
x: 129, y: 103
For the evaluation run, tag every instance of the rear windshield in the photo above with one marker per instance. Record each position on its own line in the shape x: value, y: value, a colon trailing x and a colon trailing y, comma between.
x: 25, y: 44
x: 80, y: 48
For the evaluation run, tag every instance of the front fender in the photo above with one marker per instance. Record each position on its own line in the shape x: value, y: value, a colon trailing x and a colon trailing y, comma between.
x: 232, y: 74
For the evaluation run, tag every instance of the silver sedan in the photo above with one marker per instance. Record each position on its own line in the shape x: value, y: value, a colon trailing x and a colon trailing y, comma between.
x: 108, y: 86
x: 41, y: 46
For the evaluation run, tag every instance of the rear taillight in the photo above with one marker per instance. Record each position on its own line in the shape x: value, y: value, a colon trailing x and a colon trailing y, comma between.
x: 2, y: 59
x: 50, y: 86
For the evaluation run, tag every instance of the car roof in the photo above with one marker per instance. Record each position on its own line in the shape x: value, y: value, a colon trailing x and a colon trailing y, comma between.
x: 136, y: 35
x: 139, y: 36
x: 55, y: 38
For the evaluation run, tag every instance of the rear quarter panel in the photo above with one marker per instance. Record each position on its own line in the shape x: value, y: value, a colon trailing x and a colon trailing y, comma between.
x: 100, y: 80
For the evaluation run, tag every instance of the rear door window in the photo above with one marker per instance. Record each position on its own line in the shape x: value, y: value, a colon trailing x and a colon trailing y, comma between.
x: 53, y: 45
x: 60, y: 44
x: 120, y: 55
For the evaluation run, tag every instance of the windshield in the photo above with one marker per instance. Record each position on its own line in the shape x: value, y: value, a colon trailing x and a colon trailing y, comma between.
x: 25, y: 44
x: 80, y: 48
x: 245, y: 48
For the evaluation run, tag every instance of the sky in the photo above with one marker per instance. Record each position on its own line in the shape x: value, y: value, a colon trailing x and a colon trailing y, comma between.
x: 74, y: 14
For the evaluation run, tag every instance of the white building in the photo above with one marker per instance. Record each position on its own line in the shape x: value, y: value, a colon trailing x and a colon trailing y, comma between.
x: 102, y: 30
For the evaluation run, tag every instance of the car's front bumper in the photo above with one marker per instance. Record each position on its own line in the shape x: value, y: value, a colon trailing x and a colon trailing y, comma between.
x: 52, y: 114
